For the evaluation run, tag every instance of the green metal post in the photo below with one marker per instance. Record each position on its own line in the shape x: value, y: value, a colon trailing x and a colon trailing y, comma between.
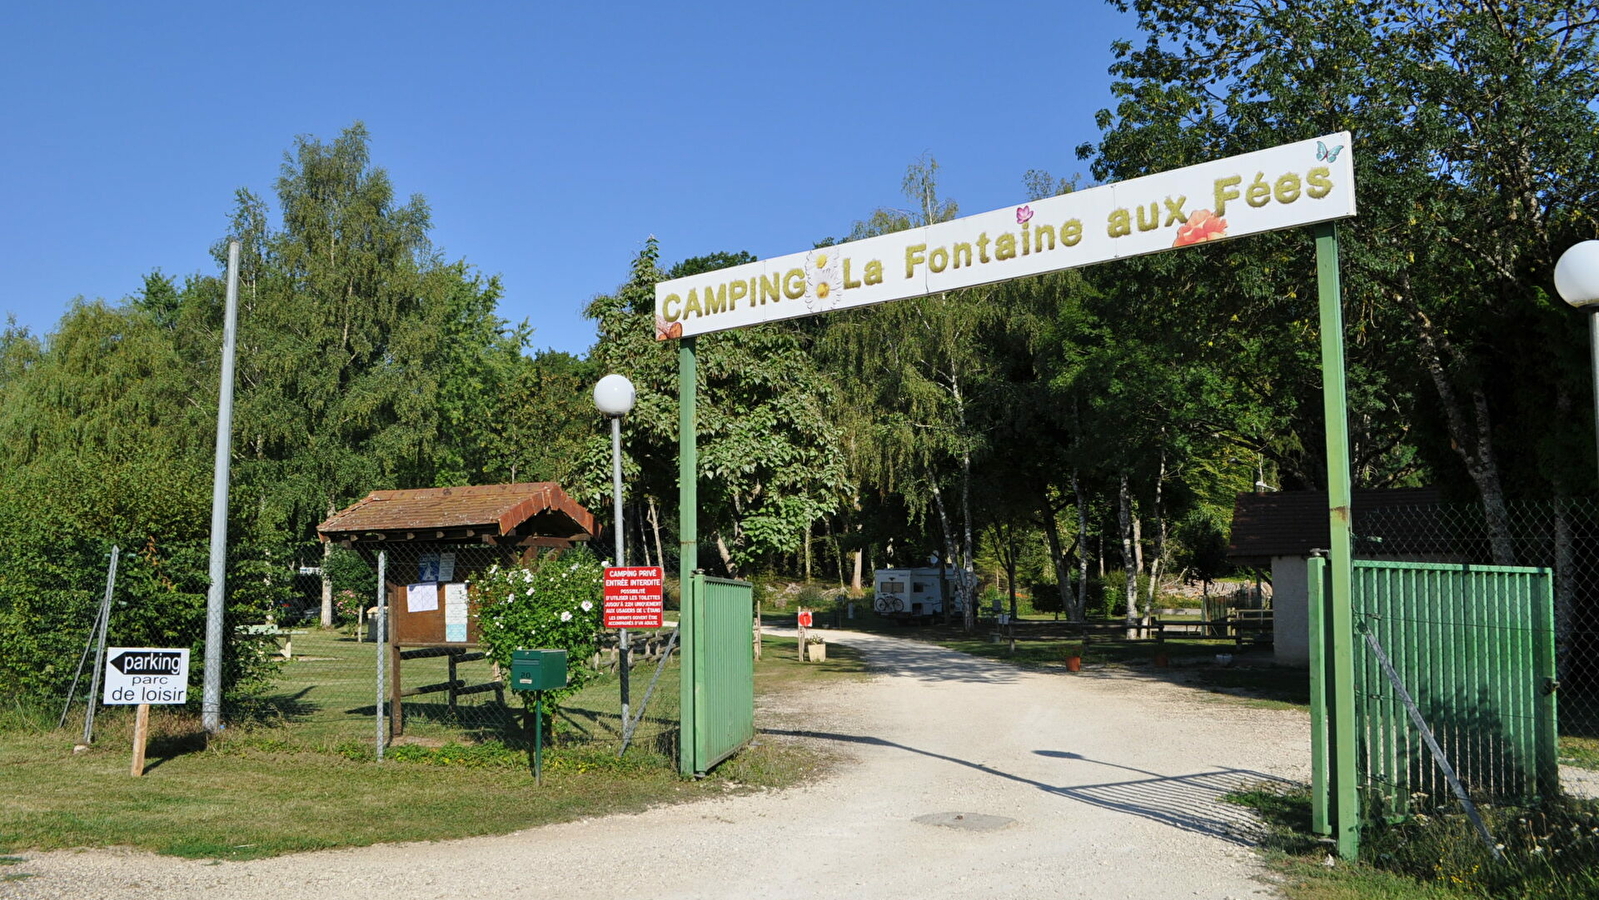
x: 1340, y: 557
x: 1316, y: 606
x: 1547, y: 741
x: 688, y: 553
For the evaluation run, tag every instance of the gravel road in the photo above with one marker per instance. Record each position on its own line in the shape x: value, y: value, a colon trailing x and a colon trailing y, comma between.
x: 961, y: 778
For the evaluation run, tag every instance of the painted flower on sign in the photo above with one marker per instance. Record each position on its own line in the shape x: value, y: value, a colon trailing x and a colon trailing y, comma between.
x: 666, y: 331
x: 1024, y: 214
x: 824, y: 285
x: 1202, y: 225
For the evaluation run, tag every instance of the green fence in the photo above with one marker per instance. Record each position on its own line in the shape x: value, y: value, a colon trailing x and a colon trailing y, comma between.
x: 718, y: 681
x: 1474, y: 649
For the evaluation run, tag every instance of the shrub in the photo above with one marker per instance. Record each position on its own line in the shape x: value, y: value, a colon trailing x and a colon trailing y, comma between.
x: 551, y: 602
x: 1113, y: 592
x: 1046, y: 596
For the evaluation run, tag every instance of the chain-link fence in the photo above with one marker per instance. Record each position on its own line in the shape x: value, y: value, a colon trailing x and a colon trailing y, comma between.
x: 309, y: 652
x: 1486, y: 632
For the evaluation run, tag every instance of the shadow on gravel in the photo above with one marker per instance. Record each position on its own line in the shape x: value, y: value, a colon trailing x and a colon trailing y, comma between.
x: 1192, y: 802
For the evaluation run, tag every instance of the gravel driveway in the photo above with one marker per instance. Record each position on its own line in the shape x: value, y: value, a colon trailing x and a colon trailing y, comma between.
x: 962, y: 778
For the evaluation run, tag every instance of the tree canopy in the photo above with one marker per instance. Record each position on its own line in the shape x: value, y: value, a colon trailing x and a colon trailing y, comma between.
x: 1094, y: 433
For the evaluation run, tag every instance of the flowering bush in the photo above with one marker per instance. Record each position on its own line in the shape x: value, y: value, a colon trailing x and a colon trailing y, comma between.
x: 348, y: 606
x: 552, y: 602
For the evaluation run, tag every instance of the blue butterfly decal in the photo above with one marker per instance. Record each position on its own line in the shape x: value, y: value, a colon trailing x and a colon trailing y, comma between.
x: 1322, y: 153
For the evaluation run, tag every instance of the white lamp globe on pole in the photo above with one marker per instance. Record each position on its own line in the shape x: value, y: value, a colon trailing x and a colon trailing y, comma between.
x: 614, y: 397
x: 1577, y: 281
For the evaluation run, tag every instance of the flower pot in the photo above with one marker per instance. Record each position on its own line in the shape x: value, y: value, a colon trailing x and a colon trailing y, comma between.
x: 1074, y: 663
x: 816, y: 652
x: 1162, y: 660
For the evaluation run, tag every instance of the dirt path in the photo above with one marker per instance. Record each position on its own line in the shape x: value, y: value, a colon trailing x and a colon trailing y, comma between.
x: 963, y: 778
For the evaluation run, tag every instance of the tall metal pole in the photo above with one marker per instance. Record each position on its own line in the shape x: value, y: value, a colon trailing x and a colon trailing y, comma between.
x: 688, y: 553
x: 1593, y: 369
x: 616, y: 487
x: 102, y: 625
x: 216, y: 604
x: 1340, y: 622
x: 382, y: 646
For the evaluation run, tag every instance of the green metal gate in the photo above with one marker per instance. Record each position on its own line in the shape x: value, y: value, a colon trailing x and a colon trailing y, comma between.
x: 1474, y: 647
x: 718, y: 687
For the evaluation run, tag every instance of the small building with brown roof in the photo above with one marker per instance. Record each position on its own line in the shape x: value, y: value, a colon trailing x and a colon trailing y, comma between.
x: 432, y: 541
x: 440, y: 536
x: 1279, y: 531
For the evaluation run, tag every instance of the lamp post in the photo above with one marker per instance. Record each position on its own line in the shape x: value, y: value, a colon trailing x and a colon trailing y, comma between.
x: 613, y: 397
x: 1577, y: 281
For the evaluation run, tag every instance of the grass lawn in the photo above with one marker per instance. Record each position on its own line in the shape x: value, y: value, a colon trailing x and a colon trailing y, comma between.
x: 300, y: 773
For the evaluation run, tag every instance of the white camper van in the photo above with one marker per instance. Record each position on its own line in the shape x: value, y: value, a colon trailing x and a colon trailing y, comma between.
x: 914, y: 593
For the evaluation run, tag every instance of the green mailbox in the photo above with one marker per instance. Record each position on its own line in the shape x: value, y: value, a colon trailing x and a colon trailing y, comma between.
x: 538, y: 670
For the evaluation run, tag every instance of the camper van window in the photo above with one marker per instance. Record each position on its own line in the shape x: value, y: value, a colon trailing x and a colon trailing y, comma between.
x: 893, y: 587
x: 916, y: 587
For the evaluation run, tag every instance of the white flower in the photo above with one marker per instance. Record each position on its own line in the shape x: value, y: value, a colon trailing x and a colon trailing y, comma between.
x: 587, y: 605
x: 566, y: 617
x: 824, y: 285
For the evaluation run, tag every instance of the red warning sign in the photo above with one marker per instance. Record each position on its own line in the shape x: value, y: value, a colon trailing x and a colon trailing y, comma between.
x: 634, y: 597
x: 805, y: 618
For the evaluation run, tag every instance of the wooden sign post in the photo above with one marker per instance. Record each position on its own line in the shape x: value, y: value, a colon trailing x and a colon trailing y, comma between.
x: 141, y: 737
x: 145, y: 675
x: 805, y: 620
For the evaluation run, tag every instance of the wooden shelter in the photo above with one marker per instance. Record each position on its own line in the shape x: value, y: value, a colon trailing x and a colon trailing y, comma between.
x: 1279, y: 530
x: 433, y: 540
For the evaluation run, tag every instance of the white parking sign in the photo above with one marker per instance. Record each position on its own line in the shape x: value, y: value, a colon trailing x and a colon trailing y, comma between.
x: 146, y: 675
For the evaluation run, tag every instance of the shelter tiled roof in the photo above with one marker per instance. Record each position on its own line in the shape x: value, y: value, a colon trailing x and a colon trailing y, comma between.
x: 480, y: 512
x: 1292, y: 523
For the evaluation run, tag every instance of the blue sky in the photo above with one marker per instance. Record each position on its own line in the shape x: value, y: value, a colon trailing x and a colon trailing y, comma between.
x: 549, y: 139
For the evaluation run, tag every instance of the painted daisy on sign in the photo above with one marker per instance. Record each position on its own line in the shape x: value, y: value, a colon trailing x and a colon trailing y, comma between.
x: 824, y: 284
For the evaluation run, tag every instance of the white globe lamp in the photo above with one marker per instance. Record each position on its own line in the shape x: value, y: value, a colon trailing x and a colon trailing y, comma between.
x: 1577, y: 282
x: 614, y: 395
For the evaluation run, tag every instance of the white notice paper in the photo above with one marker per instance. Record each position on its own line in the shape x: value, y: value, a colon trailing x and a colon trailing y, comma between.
x: 455, y: 611
x: 455, y: 603
x: 423, y: 597
x: 447, y: 567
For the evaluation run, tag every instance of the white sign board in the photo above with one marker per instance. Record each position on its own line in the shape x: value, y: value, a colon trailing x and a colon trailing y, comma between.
x: 455, y: 610
x: 1268, y: 190
x: 153, y: 675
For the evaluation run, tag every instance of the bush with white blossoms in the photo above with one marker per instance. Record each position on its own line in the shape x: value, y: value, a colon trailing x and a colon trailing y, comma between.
x: 551, y: 602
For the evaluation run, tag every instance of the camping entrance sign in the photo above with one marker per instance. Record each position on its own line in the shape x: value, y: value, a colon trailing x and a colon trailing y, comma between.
x: 634, y: 597
x: 1307, y: 183
x: 1282, y: 187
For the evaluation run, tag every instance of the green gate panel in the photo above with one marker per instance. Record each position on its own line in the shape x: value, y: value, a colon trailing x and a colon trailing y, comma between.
x: 718, y: 685
x: 1474, y: 645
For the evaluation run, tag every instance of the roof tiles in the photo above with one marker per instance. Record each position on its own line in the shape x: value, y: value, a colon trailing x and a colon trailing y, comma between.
x: 533, y: 508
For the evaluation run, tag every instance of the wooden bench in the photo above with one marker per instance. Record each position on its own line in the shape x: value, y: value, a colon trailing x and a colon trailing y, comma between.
x: 1236, y: 630
x: 453, y: 687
